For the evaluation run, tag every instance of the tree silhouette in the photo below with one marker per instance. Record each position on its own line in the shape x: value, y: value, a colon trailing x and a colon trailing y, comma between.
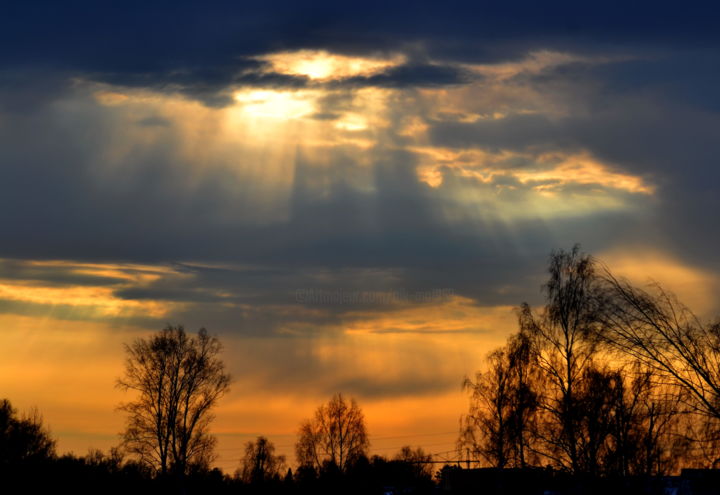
x: 335, y: 437
x: 501, y: 419
x: 654, y: 328
x: 418, y: 460
x: 260, y: 464
x: 596, y: 406
x: 644, y: 429
x: 563, y: 347
x: 650, y: 326
x: 178, y: 379
x: 23, y: 440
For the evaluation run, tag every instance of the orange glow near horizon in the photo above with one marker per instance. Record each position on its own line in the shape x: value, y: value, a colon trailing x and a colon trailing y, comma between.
x: 694, y: 287
x: 67, y: 368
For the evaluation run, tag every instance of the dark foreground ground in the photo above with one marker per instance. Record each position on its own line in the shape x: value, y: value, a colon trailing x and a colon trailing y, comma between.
x: 78, y: 478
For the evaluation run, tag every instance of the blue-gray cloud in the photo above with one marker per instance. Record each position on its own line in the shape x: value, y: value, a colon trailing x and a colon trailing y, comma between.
x: 201, y: 50
x: 653, y: 113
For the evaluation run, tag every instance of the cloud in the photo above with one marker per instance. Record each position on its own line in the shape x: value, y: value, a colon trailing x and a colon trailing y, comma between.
x: 93, y: 188
x: 414, y: 75
x: 204, y: 51
x: 516, y: 132
x: 417, y: 168
x: 154, y: 121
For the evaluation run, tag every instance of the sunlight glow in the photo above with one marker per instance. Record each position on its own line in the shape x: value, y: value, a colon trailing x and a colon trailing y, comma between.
x: 87, y: 301
x: 456, y: 315
x: 544, y: 173
x: 90, y: 301
x: 644, y: 266
x: 583, y: 169
x: 285, y: 105
x: 321, y: 65
x: 352, y: 122
x: 110, y: 97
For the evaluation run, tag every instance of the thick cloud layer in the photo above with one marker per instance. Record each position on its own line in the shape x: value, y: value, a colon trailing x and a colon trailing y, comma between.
x: 178, y: 174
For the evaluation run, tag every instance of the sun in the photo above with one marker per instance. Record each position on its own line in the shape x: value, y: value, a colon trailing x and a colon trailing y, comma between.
x: 320, y: 65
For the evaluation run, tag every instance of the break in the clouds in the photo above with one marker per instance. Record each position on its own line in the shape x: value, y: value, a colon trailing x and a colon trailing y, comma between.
x: 171, y: 162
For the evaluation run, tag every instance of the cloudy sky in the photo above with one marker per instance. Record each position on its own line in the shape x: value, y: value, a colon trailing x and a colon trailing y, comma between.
x: 353, y: 198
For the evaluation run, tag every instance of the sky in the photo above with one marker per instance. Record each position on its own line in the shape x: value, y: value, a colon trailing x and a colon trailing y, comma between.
x: 353, y: 197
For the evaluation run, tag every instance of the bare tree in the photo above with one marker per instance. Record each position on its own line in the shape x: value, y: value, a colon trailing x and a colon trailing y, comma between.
x: 418, y: 459
x: 644, y: 432
x: 503, y: 403
x: 625, y: 423
x: 563, y: 346
x: 654, y: 328
x: 23, y: 438
x: 335, y: 436
x: 700, y: 441
x: 525, y: 394
x: 178, y: 380
x: 549, y: 392
x: 260, y: 463
x: 486, y: 428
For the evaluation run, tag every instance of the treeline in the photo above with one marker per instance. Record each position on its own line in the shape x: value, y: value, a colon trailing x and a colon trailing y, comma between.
x: 606, y: 380
x: 332, y: 457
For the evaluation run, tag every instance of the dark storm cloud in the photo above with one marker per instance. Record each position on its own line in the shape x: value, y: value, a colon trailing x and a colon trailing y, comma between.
x: 654, y: 114
x: 142, y: 36
x: 413, y: 75
x: 201, y: 50
x: 210, y: 85
x: 214, y: 87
